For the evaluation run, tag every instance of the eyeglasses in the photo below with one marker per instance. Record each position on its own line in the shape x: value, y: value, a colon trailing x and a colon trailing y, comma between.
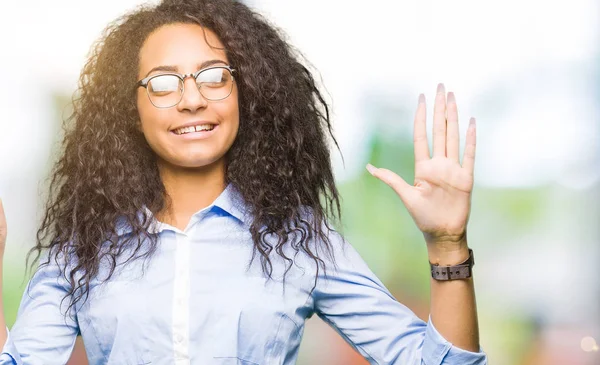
x: 166, y: 90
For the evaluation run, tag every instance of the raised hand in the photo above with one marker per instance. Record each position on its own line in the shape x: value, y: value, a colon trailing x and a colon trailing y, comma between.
x: 439, y: 201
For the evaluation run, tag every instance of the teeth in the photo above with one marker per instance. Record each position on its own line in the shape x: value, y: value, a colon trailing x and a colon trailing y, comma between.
x: 198, y: 128
x: 204, y: 127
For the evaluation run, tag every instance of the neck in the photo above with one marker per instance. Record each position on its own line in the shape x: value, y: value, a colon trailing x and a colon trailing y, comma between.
x: 189, y: 190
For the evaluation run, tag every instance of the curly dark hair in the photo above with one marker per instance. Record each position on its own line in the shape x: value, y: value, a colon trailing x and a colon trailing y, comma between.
x: 279, y: 161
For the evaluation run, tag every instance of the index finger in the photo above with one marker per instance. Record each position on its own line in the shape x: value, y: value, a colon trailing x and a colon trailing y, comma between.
x: 420, y: 131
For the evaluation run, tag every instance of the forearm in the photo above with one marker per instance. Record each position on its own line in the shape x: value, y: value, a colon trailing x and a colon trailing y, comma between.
x: 453, y: 306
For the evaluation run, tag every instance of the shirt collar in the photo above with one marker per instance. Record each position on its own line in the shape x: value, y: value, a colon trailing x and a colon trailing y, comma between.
x: 229, y: 201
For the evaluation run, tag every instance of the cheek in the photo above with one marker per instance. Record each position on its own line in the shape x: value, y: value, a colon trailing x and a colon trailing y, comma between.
x: 235, y: 116
x: 144, y: 112
x: 151, y: 118
x: 235, y: 108
x: 235, y: 121
x: 229, y: 112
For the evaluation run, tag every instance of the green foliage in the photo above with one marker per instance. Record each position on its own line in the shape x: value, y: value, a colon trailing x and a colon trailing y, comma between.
x: 377, y: 224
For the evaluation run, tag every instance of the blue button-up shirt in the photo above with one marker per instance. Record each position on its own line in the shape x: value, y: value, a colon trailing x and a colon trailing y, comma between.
x: 198, y: 301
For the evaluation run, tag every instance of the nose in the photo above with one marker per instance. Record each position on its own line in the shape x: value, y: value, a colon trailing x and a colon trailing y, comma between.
x: 191, y: 99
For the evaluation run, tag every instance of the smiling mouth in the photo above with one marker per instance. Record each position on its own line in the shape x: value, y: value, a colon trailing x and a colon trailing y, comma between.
x: 194, y: 129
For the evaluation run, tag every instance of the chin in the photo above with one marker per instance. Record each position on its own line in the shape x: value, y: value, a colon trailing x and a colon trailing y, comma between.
x: 196, y: 162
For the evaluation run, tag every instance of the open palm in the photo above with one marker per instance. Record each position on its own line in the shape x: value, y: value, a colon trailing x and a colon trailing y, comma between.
x: 439, y: 201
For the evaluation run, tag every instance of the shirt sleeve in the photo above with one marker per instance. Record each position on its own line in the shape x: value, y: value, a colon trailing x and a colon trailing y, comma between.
x: 356, y: 304
x: 42, y: 333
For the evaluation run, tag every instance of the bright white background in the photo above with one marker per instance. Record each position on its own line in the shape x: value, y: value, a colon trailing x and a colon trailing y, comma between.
x: 531, y: 59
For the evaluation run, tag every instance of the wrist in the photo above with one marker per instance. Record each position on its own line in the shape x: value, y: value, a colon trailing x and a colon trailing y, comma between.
x: 447, y: 253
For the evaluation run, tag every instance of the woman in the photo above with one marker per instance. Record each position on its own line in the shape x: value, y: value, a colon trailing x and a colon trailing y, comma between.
x: 197, y: 145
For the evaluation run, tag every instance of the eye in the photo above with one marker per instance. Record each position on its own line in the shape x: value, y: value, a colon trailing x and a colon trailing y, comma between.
x: 164, y: 84
x: 215, y: 77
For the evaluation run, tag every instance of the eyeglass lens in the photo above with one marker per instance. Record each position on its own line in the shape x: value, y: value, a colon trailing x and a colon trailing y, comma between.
x: 167, y: 90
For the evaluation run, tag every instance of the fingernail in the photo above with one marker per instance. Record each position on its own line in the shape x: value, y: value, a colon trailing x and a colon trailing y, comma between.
x: 440, y: 88
x: 371, y: 168
x: 472, y: 121
x: 451, y: 98
x: 421, y: 98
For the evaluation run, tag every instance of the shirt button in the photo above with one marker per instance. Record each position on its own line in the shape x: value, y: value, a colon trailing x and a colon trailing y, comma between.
x: 179, y: 338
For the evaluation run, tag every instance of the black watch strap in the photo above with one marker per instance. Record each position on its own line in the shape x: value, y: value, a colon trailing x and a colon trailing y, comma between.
x: 464, y: 270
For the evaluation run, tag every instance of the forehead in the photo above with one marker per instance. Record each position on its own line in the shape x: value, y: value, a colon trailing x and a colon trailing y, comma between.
x: 182, y: 45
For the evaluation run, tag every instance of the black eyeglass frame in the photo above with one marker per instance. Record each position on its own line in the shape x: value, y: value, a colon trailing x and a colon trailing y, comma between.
x: 144, y: 83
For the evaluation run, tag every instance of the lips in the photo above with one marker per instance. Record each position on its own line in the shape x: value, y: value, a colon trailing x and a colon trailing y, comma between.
x: 196, y: 129
x: 195, y: 135
x: 193, y: 124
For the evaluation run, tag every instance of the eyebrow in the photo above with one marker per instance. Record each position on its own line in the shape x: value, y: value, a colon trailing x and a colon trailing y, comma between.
x: 170, y: 68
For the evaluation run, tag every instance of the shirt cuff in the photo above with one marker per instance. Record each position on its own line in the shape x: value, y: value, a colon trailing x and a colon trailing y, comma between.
x: 438, y: 351
x: 9, y: 351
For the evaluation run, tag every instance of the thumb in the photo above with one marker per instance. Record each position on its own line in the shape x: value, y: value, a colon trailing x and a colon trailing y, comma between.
x: 401, y: 187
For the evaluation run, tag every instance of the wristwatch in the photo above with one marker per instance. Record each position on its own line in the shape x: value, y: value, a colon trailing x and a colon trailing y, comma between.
x: 464, y: 270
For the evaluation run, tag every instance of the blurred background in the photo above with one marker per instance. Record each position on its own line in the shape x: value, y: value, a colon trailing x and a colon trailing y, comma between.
x: 529, y: 71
